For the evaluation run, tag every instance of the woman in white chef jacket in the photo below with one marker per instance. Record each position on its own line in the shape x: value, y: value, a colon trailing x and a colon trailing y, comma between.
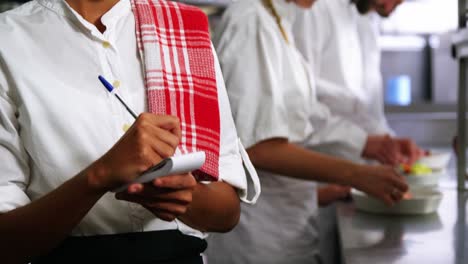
x: 278, y: 117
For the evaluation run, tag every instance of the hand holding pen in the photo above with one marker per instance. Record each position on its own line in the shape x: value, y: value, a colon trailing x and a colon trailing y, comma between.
x: 149, y: 140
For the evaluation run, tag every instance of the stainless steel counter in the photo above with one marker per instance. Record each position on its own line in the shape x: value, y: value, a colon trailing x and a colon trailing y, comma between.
x: 436, y: 238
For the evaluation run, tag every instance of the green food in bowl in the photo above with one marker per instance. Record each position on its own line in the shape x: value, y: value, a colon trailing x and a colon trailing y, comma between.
x: 416, y: 169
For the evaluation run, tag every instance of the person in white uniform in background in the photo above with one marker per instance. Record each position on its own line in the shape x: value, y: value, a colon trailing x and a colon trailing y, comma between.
x: 340, y: 40
x: 278, y: 117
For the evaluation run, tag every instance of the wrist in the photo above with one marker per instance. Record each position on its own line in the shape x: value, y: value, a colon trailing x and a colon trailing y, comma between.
x: 354, y: 175
x: 96, y: 175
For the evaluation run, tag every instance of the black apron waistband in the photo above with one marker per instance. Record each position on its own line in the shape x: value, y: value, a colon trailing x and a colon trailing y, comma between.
x: 168, y: 247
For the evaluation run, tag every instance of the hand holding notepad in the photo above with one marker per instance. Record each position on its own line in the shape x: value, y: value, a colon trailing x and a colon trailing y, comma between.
x: 171, y: 166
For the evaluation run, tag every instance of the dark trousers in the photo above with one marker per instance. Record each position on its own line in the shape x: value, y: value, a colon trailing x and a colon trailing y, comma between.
x: 156, y: 247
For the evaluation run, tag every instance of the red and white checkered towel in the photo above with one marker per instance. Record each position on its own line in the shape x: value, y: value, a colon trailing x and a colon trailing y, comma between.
x: 174, y: 42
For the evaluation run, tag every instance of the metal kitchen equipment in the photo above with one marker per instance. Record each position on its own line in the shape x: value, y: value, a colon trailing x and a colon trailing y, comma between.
x: 460, y: 50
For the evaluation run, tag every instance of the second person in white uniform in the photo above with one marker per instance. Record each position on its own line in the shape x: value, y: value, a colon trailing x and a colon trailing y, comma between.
x: 273, y: 99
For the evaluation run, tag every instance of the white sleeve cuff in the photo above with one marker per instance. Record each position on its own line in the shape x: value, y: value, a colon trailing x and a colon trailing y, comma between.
x: 358, y: 144
x: 244, y: 178
x: 12, y: 197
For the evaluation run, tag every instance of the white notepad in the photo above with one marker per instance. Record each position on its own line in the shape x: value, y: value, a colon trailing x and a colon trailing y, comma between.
x: 170, y: 166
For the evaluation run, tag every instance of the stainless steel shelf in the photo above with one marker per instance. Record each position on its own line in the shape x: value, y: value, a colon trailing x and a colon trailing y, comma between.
x: 460, y: 43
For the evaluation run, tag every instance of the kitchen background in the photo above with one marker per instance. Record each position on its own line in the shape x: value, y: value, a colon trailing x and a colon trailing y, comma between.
x: 416, y: 61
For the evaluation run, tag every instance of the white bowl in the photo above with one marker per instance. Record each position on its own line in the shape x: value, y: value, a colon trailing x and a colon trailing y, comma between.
x: 424, y: 201
x: 436, y: 160
x: 430, y: 179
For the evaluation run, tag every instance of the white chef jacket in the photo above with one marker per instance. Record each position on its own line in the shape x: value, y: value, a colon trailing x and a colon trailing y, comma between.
x: 56, y: 118
x: 272, y: 95
x: 332, y: 36
x: 375, y: 121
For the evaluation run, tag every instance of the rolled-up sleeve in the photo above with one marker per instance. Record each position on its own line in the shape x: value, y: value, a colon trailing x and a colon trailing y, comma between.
x: 234, y: 164
x: 14, y: 169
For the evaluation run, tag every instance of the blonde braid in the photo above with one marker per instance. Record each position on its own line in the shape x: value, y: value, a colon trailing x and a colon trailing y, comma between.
x: 269, y: 5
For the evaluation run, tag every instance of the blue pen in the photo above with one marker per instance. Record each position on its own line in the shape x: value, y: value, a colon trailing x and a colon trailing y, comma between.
x: 110, y: 88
